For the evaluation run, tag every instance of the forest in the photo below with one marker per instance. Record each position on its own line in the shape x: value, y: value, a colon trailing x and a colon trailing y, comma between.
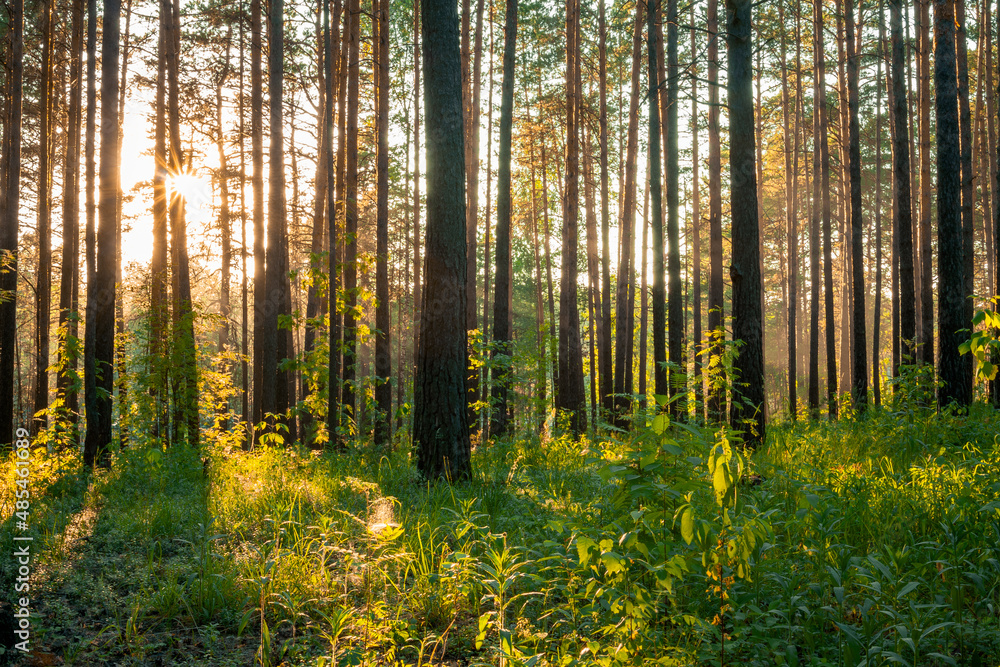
x: 576, y: 333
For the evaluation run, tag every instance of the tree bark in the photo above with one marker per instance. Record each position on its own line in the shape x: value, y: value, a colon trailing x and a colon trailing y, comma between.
x: 877, y: 311
x: 570, y: 395
x: 101, y: 293
x: 501, y: 416
x: 70, y: 274
x: 604, y: 342
x: 260, y: 300
x: 624, y: 315
x: 696, y: 228
x: 860, y: 347
x: 440, y: 429
x: 654, y: 177
x: 747, y: 412
x: 967, y: 178
x: 901, y: 172
x: 43, y: 281
x: 949, y: 199
x: 383, y: 349
x: 791, y: 200
x: 351, y: 221
x: 926, y: 352
x: 9, y: 207
x: 716, y: 319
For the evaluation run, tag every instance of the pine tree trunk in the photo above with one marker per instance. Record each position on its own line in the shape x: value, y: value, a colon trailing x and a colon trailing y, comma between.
x: 604, y: 342
x: 699, y: 392
x: 224, y: 222
x: 967, y: 182
x: 860, y: 347
x: 383, y: 349
x: 790, y: 213
x: 159, y: 292
x: 500, y: 423
x: 418, y: 266
x: 949, y: 198
x: 926, y: 352
x: 101, y: 292
x: 70, y: 274
x: 260, y: 300
x: 901, y: 173
x: 877, y: 311
x: 747, y: 413
x: 624, y: 314
x: 440, y: 429
x: 351, y: 221
x: 570, y: 395
x: 716, y: 319
x: 654, y: 177
x: 593, y: 267
x: 9, y: 207
x: 824, y: 150
x: 184, y: 376
x: 678, y: 380
x: 43, y: 281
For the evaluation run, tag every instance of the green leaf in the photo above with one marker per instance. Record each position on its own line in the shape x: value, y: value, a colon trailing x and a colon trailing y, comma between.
x: 583, y: 547
x: 613, y: 562
x: 687, y: 524
x: 660, y: 423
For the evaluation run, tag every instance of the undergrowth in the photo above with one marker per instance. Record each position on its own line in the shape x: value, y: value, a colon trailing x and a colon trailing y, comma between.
x: 867, y: 541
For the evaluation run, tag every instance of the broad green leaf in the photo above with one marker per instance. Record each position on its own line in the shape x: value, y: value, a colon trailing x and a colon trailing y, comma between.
x: 687, y: 524
x: 583, y: 547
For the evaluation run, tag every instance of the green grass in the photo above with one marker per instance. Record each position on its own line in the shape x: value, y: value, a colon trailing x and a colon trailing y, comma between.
x: 874, y: 541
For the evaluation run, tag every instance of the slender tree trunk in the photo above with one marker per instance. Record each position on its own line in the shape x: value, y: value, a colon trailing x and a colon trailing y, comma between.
x: 644, y: 299
x: 101, y: 292
x: 540, y: 391
x: 383, y: 349
x: 70, y: 274
x: 901, y: 172
x: 351, y: 219
x: 747, y: 411
x: 716, y: 319
x: 120, y: 330
x: 184, y: 376
x: 260, y: 300
x: 949, y: 197
x: 43, y: 282
x: 860, y: 351
x: 9, y: 207
x: 418, y: 267
x: 500, y: 423
x: 654, y: 176
x: 967, y: 182
x: 440, y: 429
x: 791, y: 199
x: 926, y: 261
x: 815, y: 241
x: 877, y: 312
x: 593, y: 266
x: 570, y: 394
x: 224, y: 221
x: 678, y: 382
x: 159, y: 292
x: 831, y: 347
x: 624, y: 313
x: 245, y: 416
x: 604, y: 343
x: 696, y: 226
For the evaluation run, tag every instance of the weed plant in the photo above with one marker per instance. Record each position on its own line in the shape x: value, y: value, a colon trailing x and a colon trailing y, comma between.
x: 866, y: 541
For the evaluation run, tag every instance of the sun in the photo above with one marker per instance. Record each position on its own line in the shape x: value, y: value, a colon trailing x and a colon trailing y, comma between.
x: 188, y: 185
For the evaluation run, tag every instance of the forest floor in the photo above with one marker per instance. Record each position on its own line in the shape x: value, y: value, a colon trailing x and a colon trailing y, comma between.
x: 864, y: 541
